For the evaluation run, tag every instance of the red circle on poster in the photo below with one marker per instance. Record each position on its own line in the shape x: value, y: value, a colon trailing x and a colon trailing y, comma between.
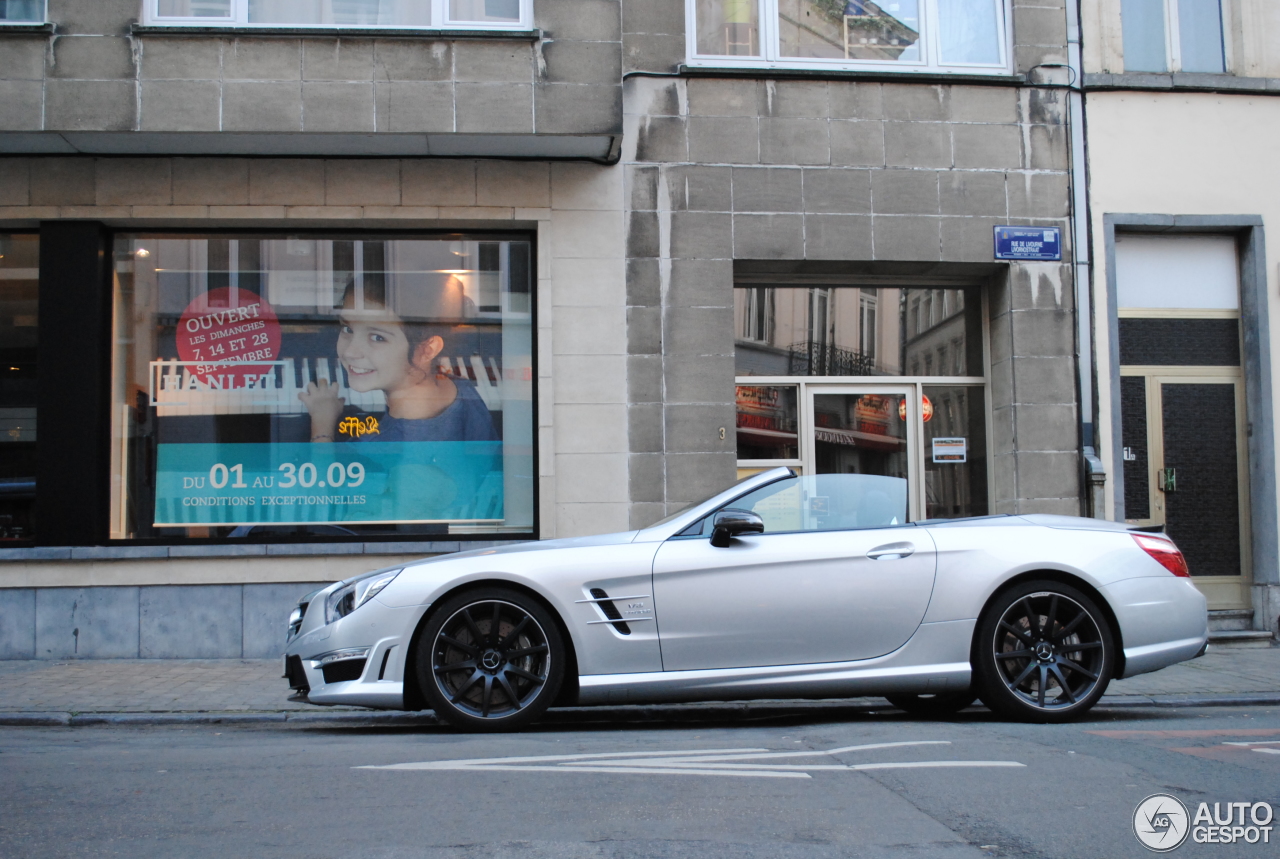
x: 225, y: 330
x: 926, y: 409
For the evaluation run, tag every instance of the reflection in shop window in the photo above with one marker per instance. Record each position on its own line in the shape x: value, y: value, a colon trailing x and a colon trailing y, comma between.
x: 19, y: 294
x: 955, y: 453
x: 767, y: 422
x: 331, y: 385
x: 851, y: 331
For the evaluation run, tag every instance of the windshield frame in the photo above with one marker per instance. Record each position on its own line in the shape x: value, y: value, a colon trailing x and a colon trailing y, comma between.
x: 673, y: 524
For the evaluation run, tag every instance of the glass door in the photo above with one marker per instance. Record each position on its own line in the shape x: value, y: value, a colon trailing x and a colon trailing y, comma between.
x: 866, y: 429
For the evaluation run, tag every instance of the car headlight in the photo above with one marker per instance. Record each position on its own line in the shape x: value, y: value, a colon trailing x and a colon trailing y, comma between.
x: 355, y: 593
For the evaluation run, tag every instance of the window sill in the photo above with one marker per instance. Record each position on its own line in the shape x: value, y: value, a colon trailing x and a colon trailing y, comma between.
x: 1182, y: 82
x: 1002, y: 78
x: 241, y: 550
x: 26, y: 29
x: 181, y: 30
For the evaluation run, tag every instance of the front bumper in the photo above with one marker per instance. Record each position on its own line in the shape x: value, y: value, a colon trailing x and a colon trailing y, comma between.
x: 370, y: 645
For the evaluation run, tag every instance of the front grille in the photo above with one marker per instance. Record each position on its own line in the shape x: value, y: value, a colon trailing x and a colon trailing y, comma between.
x: 297, y: 677
x: 347, y: 669
x: 610, y: 610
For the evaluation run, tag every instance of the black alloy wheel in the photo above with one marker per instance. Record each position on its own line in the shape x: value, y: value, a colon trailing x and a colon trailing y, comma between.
x: 934, y: 706
x: 490, y: 660
x: 1045, y: 653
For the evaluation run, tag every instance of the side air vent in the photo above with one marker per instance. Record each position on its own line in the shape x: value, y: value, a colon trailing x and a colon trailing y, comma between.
x: 610, y: 610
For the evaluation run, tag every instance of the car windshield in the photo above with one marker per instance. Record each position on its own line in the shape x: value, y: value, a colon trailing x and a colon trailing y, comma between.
x: 685, y: 509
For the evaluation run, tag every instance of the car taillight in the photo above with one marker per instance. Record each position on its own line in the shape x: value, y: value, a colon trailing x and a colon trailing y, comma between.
x: 1165, y: 553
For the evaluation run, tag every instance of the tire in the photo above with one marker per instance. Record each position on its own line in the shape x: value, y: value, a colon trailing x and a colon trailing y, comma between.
x: 934, y: 706
x: 1045, y: 652
x: 490, y: 659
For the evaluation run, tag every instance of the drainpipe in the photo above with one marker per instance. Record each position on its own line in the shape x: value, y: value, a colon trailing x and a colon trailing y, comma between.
x: 1095, y: 472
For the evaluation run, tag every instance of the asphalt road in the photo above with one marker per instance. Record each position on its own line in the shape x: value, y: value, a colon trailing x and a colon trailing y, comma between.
x: 878, y: 784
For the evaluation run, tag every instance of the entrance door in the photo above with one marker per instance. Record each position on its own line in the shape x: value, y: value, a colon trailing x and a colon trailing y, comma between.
x: 1185, y: 469
x: 866, y: 429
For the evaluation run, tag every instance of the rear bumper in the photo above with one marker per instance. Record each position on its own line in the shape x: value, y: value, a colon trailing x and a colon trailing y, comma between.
x: 1163, y: 620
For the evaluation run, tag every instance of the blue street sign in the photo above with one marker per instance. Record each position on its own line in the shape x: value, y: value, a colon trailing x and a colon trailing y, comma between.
x: 1043, y: 243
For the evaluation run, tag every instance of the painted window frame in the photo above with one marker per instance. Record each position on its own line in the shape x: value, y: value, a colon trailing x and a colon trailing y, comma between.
x: 27, y: 22
x: 239, y: 18
x: 771, y: 56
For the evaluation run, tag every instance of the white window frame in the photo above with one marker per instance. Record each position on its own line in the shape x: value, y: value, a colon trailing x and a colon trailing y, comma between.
x: 44, y: 17
x: 770, y: 43
x: 439, y: 20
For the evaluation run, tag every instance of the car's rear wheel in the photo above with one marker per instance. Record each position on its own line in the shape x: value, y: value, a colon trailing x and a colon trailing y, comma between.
x: 1045, y: 653
x: 490, y: 659
x: 933, y: 706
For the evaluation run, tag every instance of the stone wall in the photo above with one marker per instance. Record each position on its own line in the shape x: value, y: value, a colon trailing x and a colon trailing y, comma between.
x: 843, y: 174
x: 95, y: 74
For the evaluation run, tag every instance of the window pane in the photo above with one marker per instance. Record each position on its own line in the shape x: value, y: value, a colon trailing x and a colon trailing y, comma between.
x: 340, y: 13
x: 19, y: 291
x: 22, y: 10
x: 193, y: 8
x: 729, y: 27
x: 850, y: 331
x: 331, y: 385
x: 850, y: 29
x: 969, y: 31
x: 767, y: 422
x: 828, y: 502
x: 485, y: 11
x: 1144, y: 35
x: 1200, y: 33
x: 955, y: 452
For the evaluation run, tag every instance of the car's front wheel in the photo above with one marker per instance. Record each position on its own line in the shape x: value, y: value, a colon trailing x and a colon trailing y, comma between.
x: 1045, y: 653
x: 490, y: 659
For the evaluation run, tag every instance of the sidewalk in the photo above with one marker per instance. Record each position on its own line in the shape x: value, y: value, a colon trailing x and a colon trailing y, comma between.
x: 149, y: 691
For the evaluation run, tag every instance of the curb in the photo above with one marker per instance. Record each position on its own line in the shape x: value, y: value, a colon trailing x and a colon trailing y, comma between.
x: 574, y: 715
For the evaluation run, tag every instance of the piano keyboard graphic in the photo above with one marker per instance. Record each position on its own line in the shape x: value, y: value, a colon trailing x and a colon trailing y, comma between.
x: 173, y: 391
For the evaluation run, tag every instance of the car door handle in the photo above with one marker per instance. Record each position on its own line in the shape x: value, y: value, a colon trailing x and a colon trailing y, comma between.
x: 891, y: 552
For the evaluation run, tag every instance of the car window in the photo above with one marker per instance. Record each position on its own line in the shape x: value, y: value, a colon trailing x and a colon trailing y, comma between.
x: 826, y: 502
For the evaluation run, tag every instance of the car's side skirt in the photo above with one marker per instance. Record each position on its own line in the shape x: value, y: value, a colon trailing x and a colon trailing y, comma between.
x: 935, y: 659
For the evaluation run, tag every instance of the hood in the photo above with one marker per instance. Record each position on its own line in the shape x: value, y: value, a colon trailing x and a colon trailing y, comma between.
x: 535, y: 546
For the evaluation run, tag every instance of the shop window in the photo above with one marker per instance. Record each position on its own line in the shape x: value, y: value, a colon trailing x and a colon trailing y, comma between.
x: 22, y: 11
x: 820, y: 331
x: 466, y: 14
x: 269, y: 386
x: 910, y: 35
x: 1173, y: 36
x: 19, y: 292
x: 767, y: 421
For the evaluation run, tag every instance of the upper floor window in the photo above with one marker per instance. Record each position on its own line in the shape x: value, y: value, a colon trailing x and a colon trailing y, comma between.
x: 22, y: 11
x: 466, y: 14
x: 1173, y: 36
x: 911, y: 35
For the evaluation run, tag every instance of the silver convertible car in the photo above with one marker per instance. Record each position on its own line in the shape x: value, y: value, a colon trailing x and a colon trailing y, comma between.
x: 781, y: 587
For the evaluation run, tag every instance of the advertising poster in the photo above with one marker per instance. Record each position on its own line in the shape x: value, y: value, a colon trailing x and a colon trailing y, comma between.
x: 318, y: 393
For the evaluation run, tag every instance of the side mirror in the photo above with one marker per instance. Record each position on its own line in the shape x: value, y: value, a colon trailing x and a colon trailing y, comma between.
x: 731, y: 522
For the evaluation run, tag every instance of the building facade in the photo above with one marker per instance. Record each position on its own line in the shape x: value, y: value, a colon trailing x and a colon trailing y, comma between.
x: 297, y: 290
x: 1180, y: 109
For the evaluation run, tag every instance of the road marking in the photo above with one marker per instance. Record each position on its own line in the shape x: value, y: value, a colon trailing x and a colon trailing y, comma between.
x: 1255, y: 743
x: 710, y: 762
